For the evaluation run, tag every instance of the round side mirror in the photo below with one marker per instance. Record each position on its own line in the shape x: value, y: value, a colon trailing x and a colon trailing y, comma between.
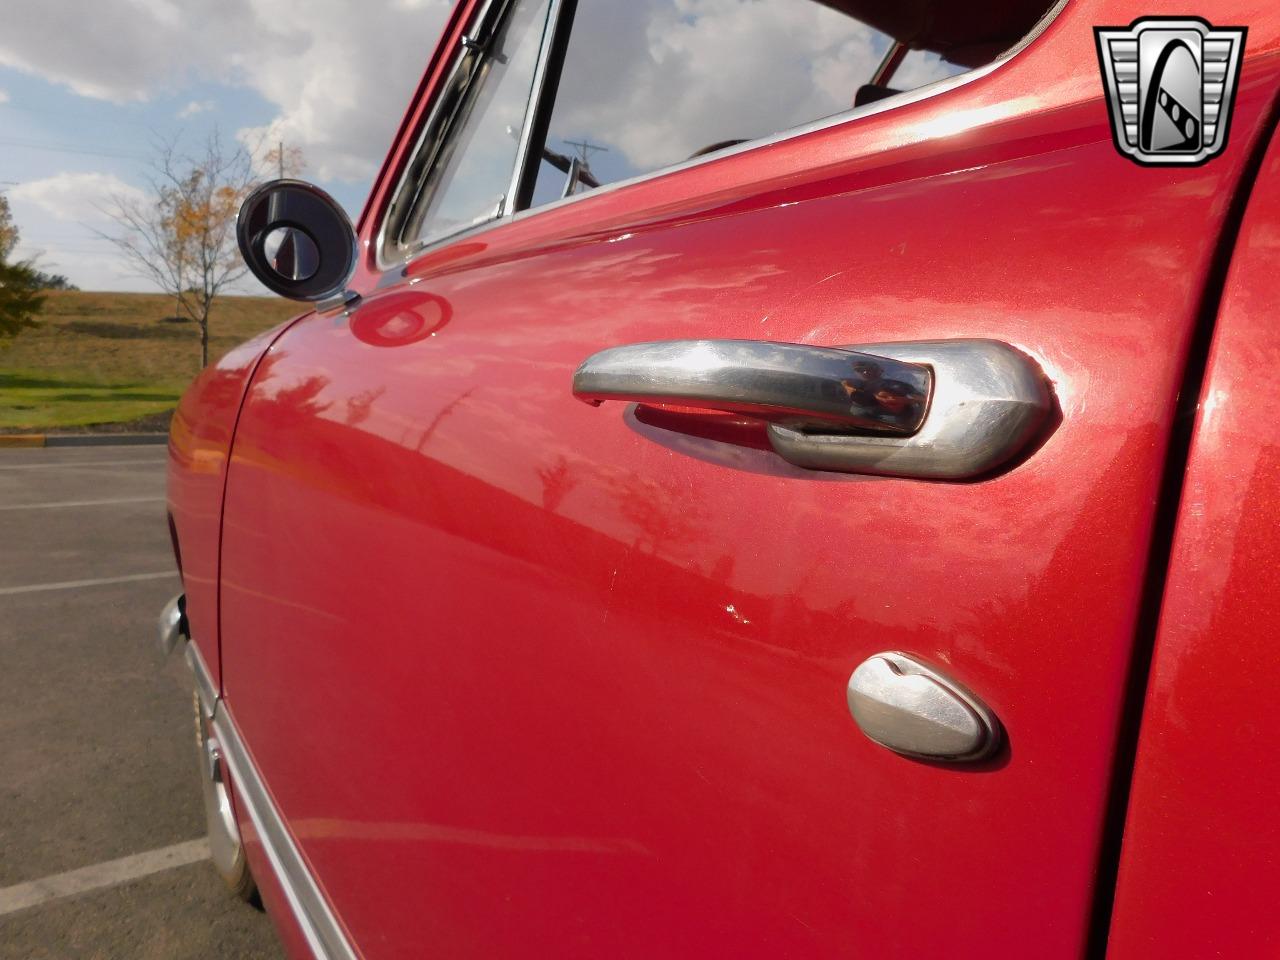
x: 296, y: 240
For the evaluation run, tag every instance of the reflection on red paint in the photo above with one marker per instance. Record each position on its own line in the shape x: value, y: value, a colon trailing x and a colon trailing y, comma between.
x: 522, y: 681
x: 396, y: 319
x: 452, y: 254
x: 708, y: 424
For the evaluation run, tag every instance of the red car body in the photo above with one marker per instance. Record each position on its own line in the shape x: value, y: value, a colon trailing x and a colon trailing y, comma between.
x: 520, y: 677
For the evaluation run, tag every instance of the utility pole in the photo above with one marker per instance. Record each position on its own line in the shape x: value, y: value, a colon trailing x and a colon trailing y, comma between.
x: 579, y: 167
x: 584, y: 148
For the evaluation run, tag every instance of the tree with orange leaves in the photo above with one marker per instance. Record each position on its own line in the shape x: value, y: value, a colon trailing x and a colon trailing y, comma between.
x: 182, y: 235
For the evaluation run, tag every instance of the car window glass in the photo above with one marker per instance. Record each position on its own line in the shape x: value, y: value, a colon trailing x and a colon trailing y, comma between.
x: 650, y: 83
x: 471, y: 174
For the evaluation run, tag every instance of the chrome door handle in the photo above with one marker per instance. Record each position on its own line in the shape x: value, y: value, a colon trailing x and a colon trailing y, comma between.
x: 904, y: 704
x: 789, y: 383
x: 931, y: 409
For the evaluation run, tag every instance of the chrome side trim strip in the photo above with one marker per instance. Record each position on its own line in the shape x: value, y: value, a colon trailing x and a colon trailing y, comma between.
x: 205, y: 689
x: 324, y: 935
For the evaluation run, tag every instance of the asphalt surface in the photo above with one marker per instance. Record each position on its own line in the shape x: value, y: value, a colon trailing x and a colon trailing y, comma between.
x: 97, y: 756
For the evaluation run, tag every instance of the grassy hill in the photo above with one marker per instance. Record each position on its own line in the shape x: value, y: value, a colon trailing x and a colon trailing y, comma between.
x: 111, y: 358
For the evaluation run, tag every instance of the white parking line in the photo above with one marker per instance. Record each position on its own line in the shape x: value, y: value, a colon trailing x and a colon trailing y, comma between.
x: 101, y: 875
x: 78, y: 503
x: 71, y: 584
x: 75, y: 464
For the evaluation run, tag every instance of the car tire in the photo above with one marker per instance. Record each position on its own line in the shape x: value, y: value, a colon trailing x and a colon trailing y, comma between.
x: 225, y: 848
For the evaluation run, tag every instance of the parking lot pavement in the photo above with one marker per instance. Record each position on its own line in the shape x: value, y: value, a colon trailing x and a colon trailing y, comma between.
x: 99, y: 798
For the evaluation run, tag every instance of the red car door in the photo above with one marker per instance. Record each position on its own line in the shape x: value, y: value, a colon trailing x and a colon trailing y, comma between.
x: 525, y: 677
x: 1198, y: 875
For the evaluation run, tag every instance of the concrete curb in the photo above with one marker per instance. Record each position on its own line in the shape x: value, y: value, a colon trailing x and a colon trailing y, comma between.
x: 80, y: 439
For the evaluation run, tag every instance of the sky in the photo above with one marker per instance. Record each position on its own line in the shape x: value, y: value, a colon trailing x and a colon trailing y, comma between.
x: 88, y: 88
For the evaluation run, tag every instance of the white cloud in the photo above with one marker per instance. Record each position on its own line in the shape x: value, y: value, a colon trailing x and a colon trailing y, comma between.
x: 70, y: 197
x: 194, y: 107
x: 57, y: 217
x: 921, y: 68
x: 657, y: 80
x: 117, y: 50
x: 4, y: 96
x: 340, y: 74
x: 671, y: 73
x: 343, y: 82
x: 90, y: 266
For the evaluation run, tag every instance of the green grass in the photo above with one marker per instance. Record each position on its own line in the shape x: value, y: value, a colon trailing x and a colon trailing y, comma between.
x: 32, y: 398
x: 102, y: 358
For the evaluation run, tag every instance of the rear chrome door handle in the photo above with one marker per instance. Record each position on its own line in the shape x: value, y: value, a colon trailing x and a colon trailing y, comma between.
x: 931, y: 409
x: 790, y: 383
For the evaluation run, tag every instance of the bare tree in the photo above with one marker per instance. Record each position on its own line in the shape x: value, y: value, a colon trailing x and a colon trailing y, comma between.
x: 181, y: 236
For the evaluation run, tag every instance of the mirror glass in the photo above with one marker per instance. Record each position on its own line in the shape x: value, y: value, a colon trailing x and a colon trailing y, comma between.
x: 297, y: 240
x: 292, y: 253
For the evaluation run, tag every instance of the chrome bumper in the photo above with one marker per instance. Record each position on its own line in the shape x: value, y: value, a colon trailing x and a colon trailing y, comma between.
x: 175, y: 632
x: 173, y: 624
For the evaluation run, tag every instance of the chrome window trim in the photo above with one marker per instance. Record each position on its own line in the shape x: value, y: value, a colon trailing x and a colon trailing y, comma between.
x: 524, y: 152
x: 405, y: 255
x: 390, y: 253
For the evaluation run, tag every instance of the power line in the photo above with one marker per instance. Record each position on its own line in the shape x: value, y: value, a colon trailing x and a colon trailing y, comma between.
x: 63, y: 238
x: 89, y: 117
x: 66, y: 247
x: 77, y: 256
x: 66, y: 148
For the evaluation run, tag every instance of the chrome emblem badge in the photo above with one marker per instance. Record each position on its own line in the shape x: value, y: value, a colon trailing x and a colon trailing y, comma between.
x: 1170, y: 84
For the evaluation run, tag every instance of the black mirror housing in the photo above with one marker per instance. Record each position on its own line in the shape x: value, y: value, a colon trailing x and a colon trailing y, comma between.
x: 283, y: 223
